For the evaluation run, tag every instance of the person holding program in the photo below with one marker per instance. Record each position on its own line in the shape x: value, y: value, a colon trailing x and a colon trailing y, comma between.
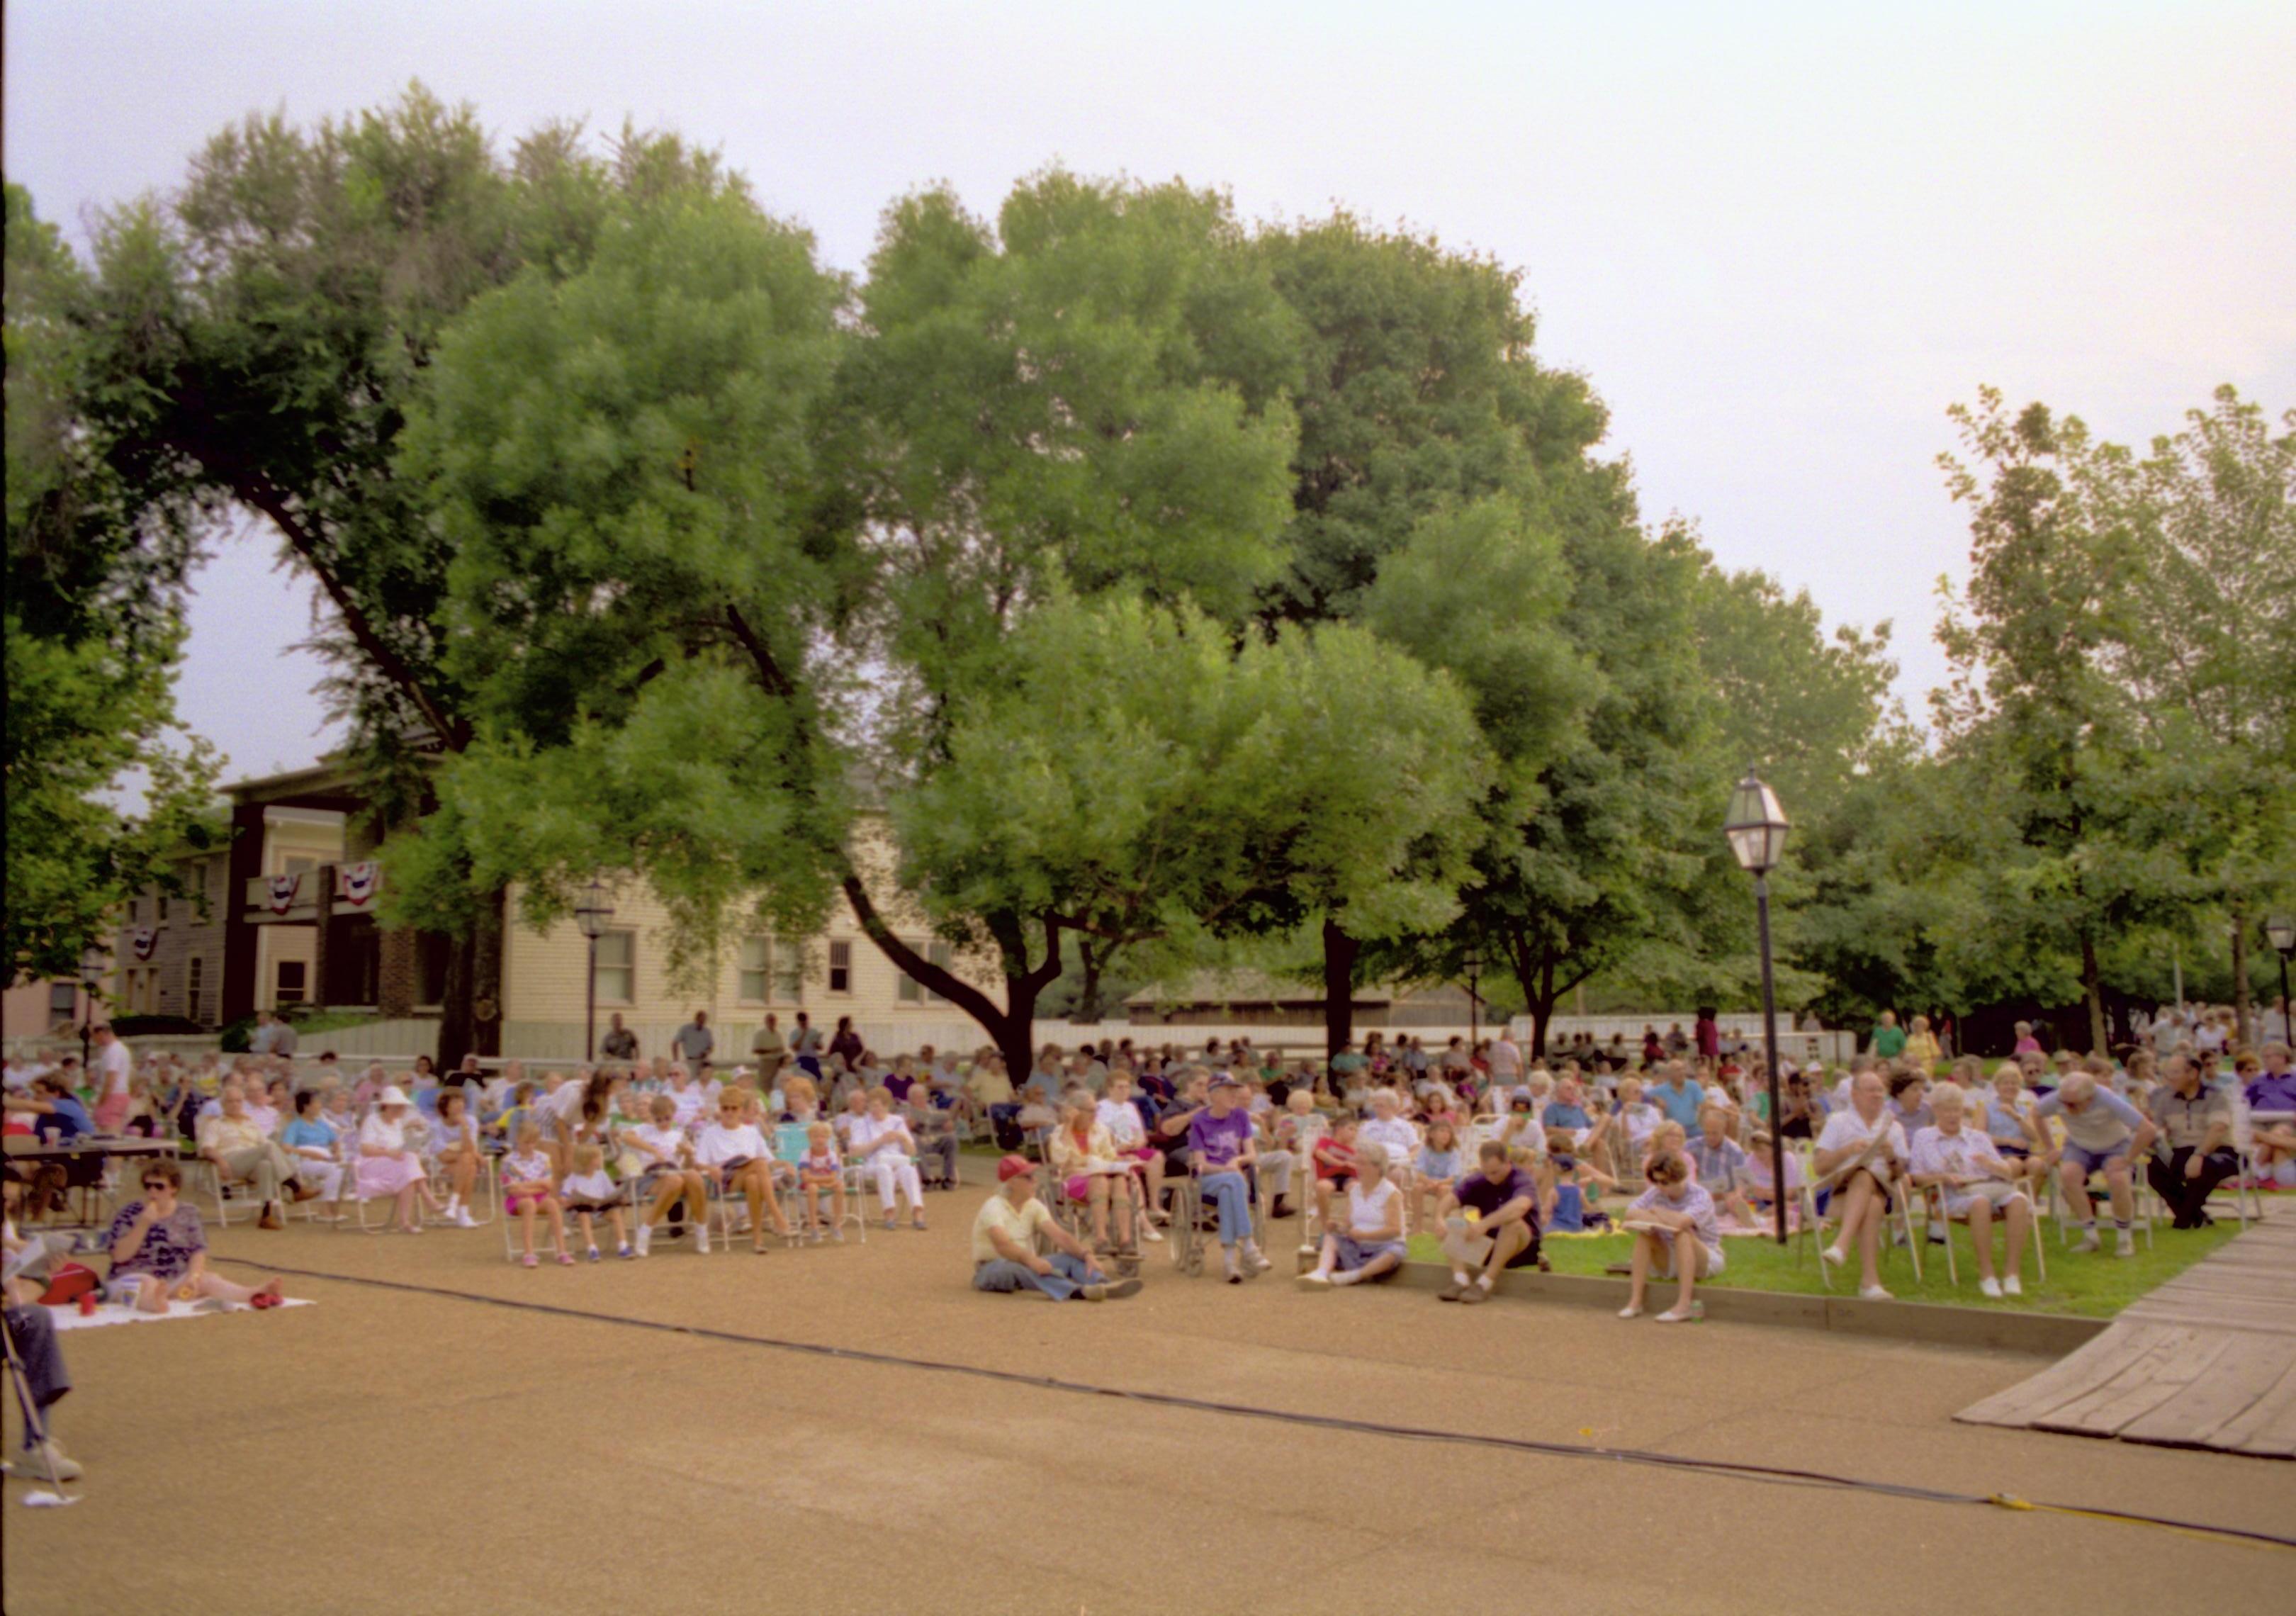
x: 1493, y: 1214
x: 1676, y: 1234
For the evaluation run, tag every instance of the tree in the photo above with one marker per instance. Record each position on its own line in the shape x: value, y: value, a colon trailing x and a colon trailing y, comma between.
x: 2207, y: 653
x: 2035, y: 718
x: 254, y: 342
x: 93, y: 636
x: 686, y: 502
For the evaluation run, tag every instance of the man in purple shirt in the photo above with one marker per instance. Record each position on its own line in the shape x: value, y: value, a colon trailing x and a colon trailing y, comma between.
x: 1505, y: 1199
x: 1220, y: 1148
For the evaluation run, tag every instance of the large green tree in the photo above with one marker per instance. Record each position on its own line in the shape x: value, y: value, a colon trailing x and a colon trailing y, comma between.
x: 763, y: 606
x: 253, y: 340
x: 95, y: 633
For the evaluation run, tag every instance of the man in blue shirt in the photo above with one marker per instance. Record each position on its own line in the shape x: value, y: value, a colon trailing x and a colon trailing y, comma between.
x: 62, y: 1119
x: 1679, y: 1096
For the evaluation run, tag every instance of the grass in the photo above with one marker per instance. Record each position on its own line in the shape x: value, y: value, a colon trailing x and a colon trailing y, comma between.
x: 2090, y: 1287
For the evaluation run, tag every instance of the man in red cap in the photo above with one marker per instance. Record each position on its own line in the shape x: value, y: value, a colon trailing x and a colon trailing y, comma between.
x: 1004, y: 1256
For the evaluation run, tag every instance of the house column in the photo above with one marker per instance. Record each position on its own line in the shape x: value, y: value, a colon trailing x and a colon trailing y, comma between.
x: 236, y: 998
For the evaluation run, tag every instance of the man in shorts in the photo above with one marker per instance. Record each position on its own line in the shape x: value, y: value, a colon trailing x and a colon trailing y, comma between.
x: 1504, y: 1202
x: 2101, y: 1130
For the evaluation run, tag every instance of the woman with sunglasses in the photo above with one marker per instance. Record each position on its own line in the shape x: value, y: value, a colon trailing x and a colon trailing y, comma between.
x: 160, y: 1254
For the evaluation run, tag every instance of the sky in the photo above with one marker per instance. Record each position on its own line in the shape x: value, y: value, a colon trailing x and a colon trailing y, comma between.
x: 1780, y: 240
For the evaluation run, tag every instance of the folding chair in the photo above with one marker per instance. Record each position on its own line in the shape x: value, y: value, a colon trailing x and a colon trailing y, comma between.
x: 1934, y: 1209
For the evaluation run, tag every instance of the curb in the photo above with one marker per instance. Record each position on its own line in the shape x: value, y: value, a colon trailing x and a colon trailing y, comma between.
x: 2043, y: 1334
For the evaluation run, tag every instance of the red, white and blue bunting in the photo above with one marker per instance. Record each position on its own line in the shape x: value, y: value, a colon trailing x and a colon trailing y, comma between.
x: 358, y: 882
x: 282, y: 892
x: 142, y: 940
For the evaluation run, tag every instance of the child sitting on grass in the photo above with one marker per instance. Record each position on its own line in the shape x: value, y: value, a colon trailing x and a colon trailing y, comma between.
x: 1436, y: 1170
x: 1675, y: 1233
x: 589, y: 1193
x: 1574, y: 1185
x: 528, y: 1190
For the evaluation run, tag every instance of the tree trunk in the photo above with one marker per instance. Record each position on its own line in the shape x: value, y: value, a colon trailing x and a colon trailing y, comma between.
x: 2095, y: 994
x: 469, y: 1015
x: 1015, y: 1032
x: 1539, y: 999
x: 1092, y: 959
x: 2240, y: 1002
x: 1340, y: 951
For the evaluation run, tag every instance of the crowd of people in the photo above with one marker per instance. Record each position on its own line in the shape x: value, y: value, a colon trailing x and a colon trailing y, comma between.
x: 1484, y: 1150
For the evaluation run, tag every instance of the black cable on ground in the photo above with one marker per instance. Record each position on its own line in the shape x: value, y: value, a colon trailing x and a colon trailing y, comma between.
x: 1778, y: 1475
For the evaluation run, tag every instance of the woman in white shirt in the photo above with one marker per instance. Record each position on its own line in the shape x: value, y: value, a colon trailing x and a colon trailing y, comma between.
x: 883, y: 1141
x: 1373, y: 1247
x: 733, y: 1155
x: 1859, y: 1155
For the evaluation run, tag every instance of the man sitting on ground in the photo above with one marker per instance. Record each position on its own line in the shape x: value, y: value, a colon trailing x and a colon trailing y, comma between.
x: 1004, y: 1255
x: 1504, y: 1201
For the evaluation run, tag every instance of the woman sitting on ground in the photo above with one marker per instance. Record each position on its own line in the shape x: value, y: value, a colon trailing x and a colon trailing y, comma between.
x: 160, y: 1253
x: 1977, y: 1183
x: 1675, y: 1236
x: 389, y: 1165
x: 1084, y: 1158
x: 1372, y: 1246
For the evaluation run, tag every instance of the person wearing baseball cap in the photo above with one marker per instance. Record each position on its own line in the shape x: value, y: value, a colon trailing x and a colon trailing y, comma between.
x: 1004, y: 1255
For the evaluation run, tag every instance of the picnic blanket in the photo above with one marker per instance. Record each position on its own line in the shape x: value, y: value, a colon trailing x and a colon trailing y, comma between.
x: 113, y: 1313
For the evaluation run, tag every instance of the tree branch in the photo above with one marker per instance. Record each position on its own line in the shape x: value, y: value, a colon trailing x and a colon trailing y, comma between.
x: 933, y: 978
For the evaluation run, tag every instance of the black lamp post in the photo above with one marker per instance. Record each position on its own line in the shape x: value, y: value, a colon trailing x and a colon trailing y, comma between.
x: 1755, y: 827
x: 591, y: 915
x: 91, y: 973
x: 2280, y: 931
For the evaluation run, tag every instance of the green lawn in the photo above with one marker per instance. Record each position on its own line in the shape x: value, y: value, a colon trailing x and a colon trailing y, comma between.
x: 2095, y: 1287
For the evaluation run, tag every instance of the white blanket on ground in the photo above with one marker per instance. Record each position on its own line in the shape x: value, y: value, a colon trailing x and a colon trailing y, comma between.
x: 67, y: 1317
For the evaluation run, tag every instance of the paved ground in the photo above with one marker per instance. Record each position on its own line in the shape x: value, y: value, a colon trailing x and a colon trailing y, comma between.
x: 393, y: 1453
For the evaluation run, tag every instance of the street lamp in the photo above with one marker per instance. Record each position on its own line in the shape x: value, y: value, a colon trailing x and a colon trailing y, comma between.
x: 1756, y: 829
x: 1473, y: 962
x: 91, y: 972
x: 2280, y: 931
x: 592, y: 914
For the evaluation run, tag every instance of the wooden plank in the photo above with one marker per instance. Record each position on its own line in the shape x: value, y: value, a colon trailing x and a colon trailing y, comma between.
x: 2219, y: 1314
x: 2249, y: 1368
x: 2266, y: 1426
x: 2071, y: 1377
x: 2175, y: 1362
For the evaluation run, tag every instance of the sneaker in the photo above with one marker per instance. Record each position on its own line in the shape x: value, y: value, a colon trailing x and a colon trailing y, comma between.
x: 1473, y: 1293
x: 644, y: 1239
x: 1149, y: 1234
x: 1451, y: 1292
x: 463, y: 1218
x: 890, y: 1222
x: 1093, y: 1292
x: 565, y: 1260
x: 39, y: 1463
x: 593, y: 1254
x: 2013, y: 1286
x: 2087, y: 1243
x: 1235, y: 1274
x: 626, y: 1253
x: 1121, y: 1288
x: 2125, y: 1245
x: 1255, y: 1262
x: 701, y: 1238
x: 1875, y: 1293
x: 1989, y: 1287
x: 1316, y: 1281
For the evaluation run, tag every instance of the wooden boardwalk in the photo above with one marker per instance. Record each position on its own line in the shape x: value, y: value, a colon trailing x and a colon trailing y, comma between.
x: 2207, y: 1360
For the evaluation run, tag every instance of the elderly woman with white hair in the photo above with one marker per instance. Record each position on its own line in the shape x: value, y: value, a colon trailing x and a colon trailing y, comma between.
x: 1961, y: 1163
x: 389, y: 1163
